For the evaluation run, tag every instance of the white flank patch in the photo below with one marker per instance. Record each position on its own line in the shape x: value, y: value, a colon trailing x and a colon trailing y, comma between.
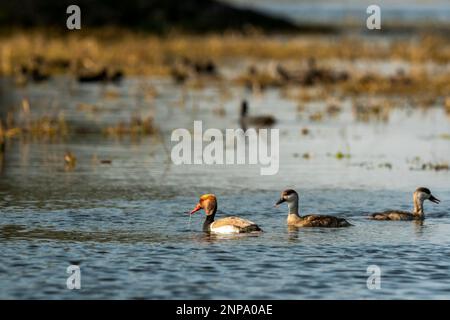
x: 225, y: 229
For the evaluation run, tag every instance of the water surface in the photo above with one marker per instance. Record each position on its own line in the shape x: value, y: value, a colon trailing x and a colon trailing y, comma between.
x: 125, y: 223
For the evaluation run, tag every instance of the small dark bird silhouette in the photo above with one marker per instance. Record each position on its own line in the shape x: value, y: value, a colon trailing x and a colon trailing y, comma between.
x: 101, y: 75
x: 247, y: 121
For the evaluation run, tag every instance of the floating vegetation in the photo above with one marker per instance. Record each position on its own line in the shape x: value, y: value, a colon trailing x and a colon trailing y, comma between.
x: 372, y: 166
x: 34, y: 70
x: 138, y: 53
x: 111, y: 94
x: 256, y: 80
x: 37, y: 127
x: 100, y: 57
x: 70, y: 160
x: 385, y: 165
x: 186, y: 68
x: 42, y: 127
x: 312, y: 75
x: 316, y: 116
x: 305, y: 155
x: 435, y: 166
x: 340, y: 155
x: 277, y: 75
x: 333, y: 109
x: 219, y: 111
x: 417, y: 164
x: 86, y: 107
x: 365, y: 112
x: 305, y: 131
x: 46, y: 127
x: 137, y: 126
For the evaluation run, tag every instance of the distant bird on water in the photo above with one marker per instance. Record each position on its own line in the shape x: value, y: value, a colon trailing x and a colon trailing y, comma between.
x: 260, y: 121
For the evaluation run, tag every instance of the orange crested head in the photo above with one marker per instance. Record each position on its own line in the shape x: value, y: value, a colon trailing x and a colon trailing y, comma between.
x: 207, y: 202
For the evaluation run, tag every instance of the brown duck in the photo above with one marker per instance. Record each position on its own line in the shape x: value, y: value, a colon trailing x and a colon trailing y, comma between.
x: 260, y: 121
x: 420, y: 195
x: 295, y: 220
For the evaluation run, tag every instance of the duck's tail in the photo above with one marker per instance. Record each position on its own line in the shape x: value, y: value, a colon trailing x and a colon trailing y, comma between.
x: 251, y: 228
x: 344, y: 223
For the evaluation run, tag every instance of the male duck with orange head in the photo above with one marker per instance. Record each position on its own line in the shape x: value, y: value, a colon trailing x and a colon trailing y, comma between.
x: 228, y: 225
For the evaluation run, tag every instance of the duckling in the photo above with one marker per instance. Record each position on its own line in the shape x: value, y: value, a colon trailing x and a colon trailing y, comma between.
x: 295, y: 220
x: 247, y: 121
x: 208, y: 203
x: 420, y: 195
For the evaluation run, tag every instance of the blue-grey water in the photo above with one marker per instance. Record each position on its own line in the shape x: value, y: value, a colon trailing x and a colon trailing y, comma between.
x: 125, y: 223
x: 409, y: 12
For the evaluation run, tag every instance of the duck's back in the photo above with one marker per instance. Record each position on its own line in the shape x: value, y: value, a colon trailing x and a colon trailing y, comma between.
x: 257, y: 121
x: 234, y: 225
x: 321, y: 221
x: 392, y: 215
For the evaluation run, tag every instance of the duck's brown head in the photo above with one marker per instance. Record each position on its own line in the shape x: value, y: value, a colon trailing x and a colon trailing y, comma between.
x: 207, y: 202
x: 422, y: 194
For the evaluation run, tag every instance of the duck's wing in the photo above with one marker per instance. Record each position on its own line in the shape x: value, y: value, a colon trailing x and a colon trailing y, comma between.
x: 324, y: 221
x: 391, y: 215
x: 237, y: 224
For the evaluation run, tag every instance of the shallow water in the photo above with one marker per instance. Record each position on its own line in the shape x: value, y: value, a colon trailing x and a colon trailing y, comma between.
x: 125, y: 223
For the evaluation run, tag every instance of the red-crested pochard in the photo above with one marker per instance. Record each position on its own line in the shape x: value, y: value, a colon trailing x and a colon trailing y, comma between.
x: 208, y: 203
x: 419, y: 196
x: 295, y: 220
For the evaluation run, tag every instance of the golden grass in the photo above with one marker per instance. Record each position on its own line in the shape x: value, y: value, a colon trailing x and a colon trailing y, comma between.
x: 137, y: 126
x: 143, y: 54
x: 43, y: 127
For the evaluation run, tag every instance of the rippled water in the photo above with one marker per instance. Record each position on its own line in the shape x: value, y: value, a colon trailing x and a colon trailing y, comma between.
x: 125, y: 223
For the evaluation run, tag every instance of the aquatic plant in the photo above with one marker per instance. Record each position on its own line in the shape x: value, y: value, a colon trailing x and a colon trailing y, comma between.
x: 340, y: 155
x: 70, y: 160
x: 136, y: 126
